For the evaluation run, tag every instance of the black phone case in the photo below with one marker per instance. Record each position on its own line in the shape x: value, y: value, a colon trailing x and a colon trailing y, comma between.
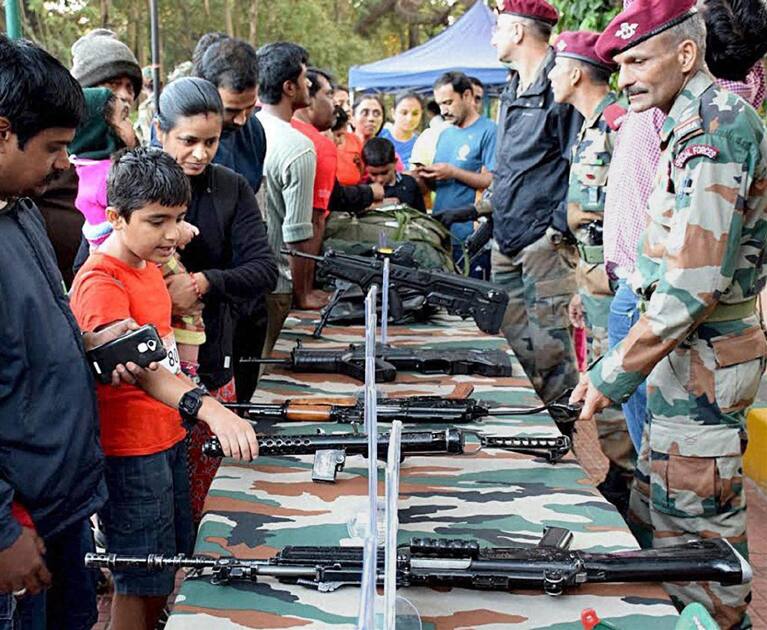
x: 141, y: 346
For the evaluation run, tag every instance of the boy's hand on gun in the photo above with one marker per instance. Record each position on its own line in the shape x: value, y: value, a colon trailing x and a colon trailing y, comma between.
x: 187, y: 232
x: 237, y: 437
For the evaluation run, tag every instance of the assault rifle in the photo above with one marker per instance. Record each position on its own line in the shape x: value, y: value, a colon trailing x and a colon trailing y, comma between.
x: 461, y: 563
x: 351, y: 361
x: 330, y: 450
x: 413, y: 410
x: 467, y: 297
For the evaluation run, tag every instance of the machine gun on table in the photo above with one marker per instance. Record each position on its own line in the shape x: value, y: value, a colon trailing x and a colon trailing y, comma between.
x: 410, y: 410
x: 466, y: 297
x: 330, y: 450
x: 550, y: 568
x: 351, y: 361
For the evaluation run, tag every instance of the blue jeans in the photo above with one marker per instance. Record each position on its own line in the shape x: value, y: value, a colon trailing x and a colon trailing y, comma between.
x: 148, y: 511
x: 624, y: 313
x: 70, y: 603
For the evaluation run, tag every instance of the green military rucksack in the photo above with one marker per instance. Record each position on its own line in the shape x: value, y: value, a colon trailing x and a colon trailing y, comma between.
x: 391, y: 226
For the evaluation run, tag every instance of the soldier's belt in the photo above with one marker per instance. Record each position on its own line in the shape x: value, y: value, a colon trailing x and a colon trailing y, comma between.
x: 591, y: 254
x: 730, y: 312
x: 722, y: 312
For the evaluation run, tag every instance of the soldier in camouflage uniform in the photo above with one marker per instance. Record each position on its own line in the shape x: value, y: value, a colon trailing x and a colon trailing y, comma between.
x: 581, y: 79
x: 699, y: 271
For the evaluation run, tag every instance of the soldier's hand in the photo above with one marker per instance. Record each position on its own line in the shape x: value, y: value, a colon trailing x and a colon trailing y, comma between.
x: 593, y: 400
x: 22, y: 567
x: 575, y: 312
x: 577, y: 218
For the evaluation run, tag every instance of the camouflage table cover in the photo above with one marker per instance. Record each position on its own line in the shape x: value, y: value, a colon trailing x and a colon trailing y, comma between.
x: 497, y: 498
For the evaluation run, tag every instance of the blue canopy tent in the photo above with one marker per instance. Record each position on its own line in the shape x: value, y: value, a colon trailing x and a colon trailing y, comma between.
x: 464, y: 46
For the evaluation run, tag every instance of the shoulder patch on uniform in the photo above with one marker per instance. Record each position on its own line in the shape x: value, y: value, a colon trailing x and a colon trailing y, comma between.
x: 695, y: 150
x: 691, y: 126
x: 614, y: 115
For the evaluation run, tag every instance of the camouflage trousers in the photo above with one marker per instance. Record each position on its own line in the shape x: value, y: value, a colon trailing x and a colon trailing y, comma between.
x: 689, y: 476
x: 540, y: 284
x: 596, y: 297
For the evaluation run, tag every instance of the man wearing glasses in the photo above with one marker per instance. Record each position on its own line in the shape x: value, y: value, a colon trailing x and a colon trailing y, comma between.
x: 535, y: 136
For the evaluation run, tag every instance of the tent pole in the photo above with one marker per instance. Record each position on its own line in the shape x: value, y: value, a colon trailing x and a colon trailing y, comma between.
x: 155, y: 33
x: 12, y: 20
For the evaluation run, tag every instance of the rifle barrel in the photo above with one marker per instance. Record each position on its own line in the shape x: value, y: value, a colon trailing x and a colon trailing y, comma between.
x: 295, y: 252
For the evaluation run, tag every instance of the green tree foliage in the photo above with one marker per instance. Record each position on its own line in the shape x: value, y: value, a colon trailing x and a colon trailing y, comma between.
x: 586, y: 15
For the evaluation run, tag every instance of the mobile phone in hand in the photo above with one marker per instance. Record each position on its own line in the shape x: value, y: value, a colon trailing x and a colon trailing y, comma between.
x: 142, y: 346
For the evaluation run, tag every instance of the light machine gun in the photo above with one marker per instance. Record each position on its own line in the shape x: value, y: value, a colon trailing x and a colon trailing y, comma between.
x: 550, y: 568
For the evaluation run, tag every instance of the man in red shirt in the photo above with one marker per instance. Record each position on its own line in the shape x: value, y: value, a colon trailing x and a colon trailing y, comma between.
x: 312, y: 121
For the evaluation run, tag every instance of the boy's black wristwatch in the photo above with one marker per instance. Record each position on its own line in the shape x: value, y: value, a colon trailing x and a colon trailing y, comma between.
x: 190, y: 403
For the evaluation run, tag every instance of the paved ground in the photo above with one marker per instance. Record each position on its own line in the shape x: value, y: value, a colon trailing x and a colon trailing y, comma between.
x: 596, y: 465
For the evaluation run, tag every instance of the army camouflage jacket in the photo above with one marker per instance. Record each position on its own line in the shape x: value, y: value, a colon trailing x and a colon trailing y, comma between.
x: 589, y: 164
x: 705, y: 241
x: 591, y: 156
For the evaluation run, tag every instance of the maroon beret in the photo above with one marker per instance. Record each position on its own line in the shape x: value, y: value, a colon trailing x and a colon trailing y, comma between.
x: 642, y: 20
x: 581, y: 45
x: 535, y: 9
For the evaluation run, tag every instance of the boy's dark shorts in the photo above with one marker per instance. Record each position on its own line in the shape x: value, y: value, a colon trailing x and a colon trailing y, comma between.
x: 148, y: 511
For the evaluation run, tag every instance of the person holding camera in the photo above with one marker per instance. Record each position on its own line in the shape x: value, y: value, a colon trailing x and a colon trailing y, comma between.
x: 580, y: 78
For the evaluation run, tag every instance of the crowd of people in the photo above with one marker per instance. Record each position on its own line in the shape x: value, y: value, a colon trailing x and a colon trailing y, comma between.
x: 645, y: 224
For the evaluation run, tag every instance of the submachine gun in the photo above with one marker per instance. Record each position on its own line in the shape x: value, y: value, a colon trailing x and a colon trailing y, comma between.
x: 351, y: 361
x: 483, y: 301
x: 330, y: 450
x: 549, y: 567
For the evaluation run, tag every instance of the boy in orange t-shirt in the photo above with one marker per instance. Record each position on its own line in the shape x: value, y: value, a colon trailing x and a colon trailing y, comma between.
x: 142, y: 435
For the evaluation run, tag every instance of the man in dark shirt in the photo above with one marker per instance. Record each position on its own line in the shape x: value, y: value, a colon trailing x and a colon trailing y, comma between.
x: 535, y: 136
x: 51, y: 470
x: 230, y: 65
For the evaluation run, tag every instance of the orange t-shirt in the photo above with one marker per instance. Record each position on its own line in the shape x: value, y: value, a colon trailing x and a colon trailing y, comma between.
x: 106, y: 290
x: 349, y: 166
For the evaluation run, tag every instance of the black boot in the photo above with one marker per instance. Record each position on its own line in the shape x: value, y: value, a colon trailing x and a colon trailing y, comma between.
x: 616, y: 488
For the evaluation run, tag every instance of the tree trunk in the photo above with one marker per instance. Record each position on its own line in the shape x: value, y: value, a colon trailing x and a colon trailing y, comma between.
x: 228, y: 18
x: 412, y: 30
x: 253, y: 15
x: 104, y: 5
